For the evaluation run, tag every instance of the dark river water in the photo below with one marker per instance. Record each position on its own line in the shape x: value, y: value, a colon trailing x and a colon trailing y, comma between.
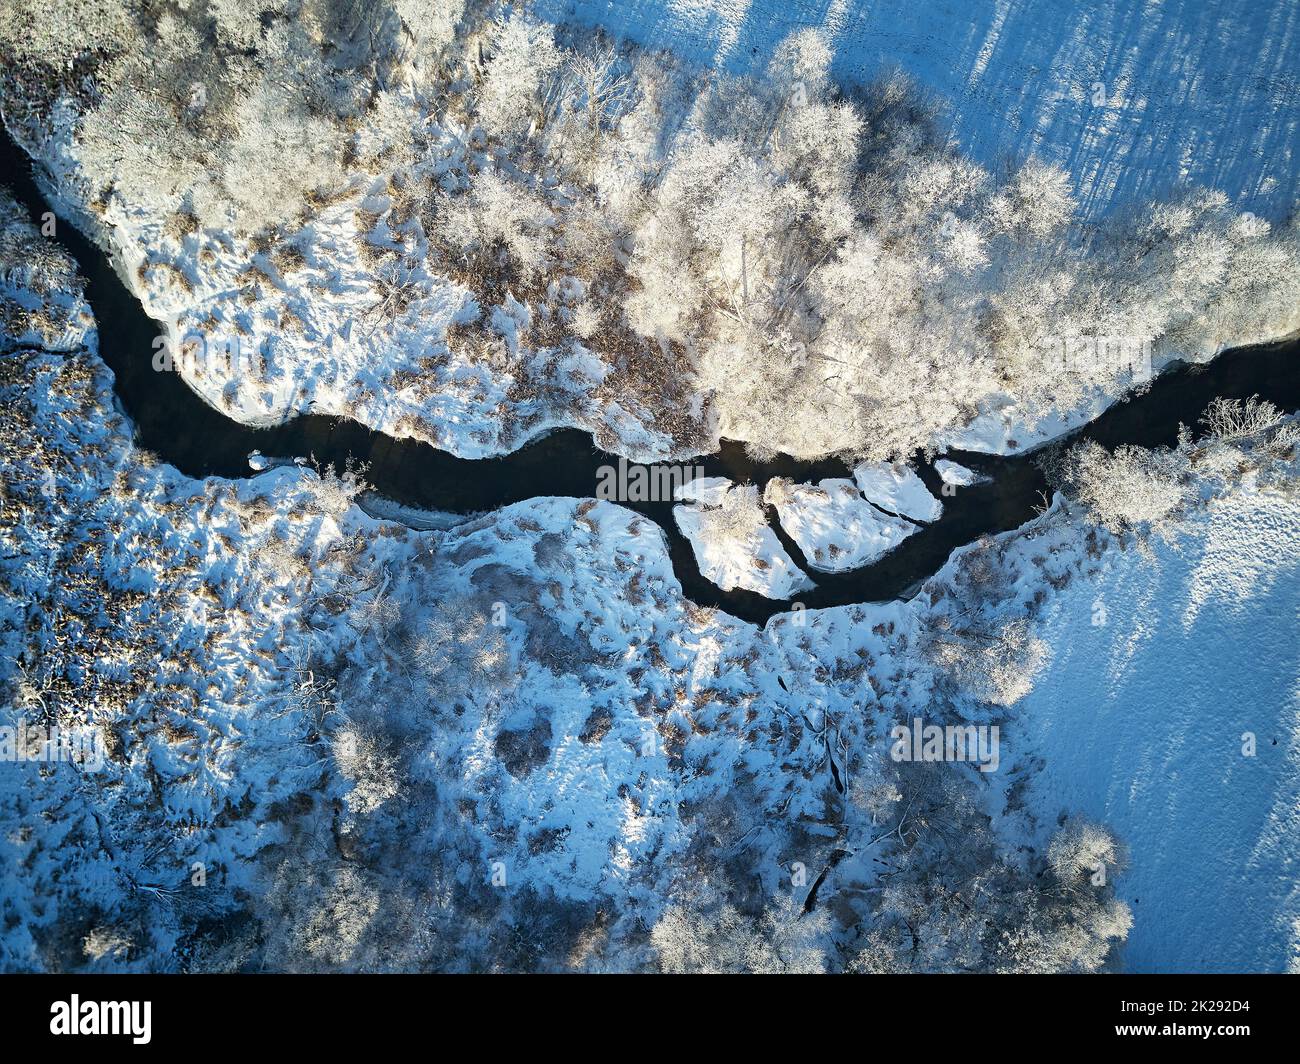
x: 172, y: 421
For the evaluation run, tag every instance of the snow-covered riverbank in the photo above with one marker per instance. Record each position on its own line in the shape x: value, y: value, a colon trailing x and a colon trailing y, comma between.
x: 309, y: 711
x: 366, y: 292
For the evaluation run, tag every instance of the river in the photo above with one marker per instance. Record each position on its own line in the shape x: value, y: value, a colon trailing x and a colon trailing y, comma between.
x: 172, y: 421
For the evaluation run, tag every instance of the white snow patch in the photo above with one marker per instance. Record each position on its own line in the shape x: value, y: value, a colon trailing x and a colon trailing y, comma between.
x: 733, y: 545
x: 895, y: 486
x: 835, y: 527
x: 957, y: 475
x: 708, y: 491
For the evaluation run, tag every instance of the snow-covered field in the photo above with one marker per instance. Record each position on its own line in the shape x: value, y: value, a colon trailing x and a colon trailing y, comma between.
x: 1129, y: 97
x: 1162, y: 669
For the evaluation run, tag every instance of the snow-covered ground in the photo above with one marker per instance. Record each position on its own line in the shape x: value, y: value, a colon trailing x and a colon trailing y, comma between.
x: 897, y: 488
x: 166, y: 617
x: 1000, y: 428
x: 313, y: 328
x: 393, y: 740
x: 835, y: 527
x: 733, y: 544
x: 1162, y: 668
x: 456, y: 748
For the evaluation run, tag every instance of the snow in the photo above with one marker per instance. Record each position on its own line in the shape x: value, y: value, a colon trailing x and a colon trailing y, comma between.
x: 383, y: 509
x: 750, y: 557
x: 957, y: 475
x: 1160, y: 667
x: 895, y: 486
x: 708, y: 491
x: 1000, y: 428
x: 1190, y: 91
x: 585, y: 723
x: 223, y: 573
x: 834, y: 526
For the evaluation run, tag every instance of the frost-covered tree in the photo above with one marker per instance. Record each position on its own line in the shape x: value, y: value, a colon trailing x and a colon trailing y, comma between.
x: 498, y: 227
x: 734, y: 520
x: 365, y: 760
x: 981, y: 640
x: 333, y: 490
x: 1131, y: 488
x: 455, y: 652
x: 1253, y: 420
x: 956, y: 901
x: 995, y: 661
x: 430, y: 25
x: 521, y: 56
x: 713, y: 937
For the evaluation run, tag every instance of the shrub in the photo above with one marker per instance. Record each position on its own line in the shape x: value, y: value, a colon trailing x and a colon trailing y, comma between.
x: 1129, y: 489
